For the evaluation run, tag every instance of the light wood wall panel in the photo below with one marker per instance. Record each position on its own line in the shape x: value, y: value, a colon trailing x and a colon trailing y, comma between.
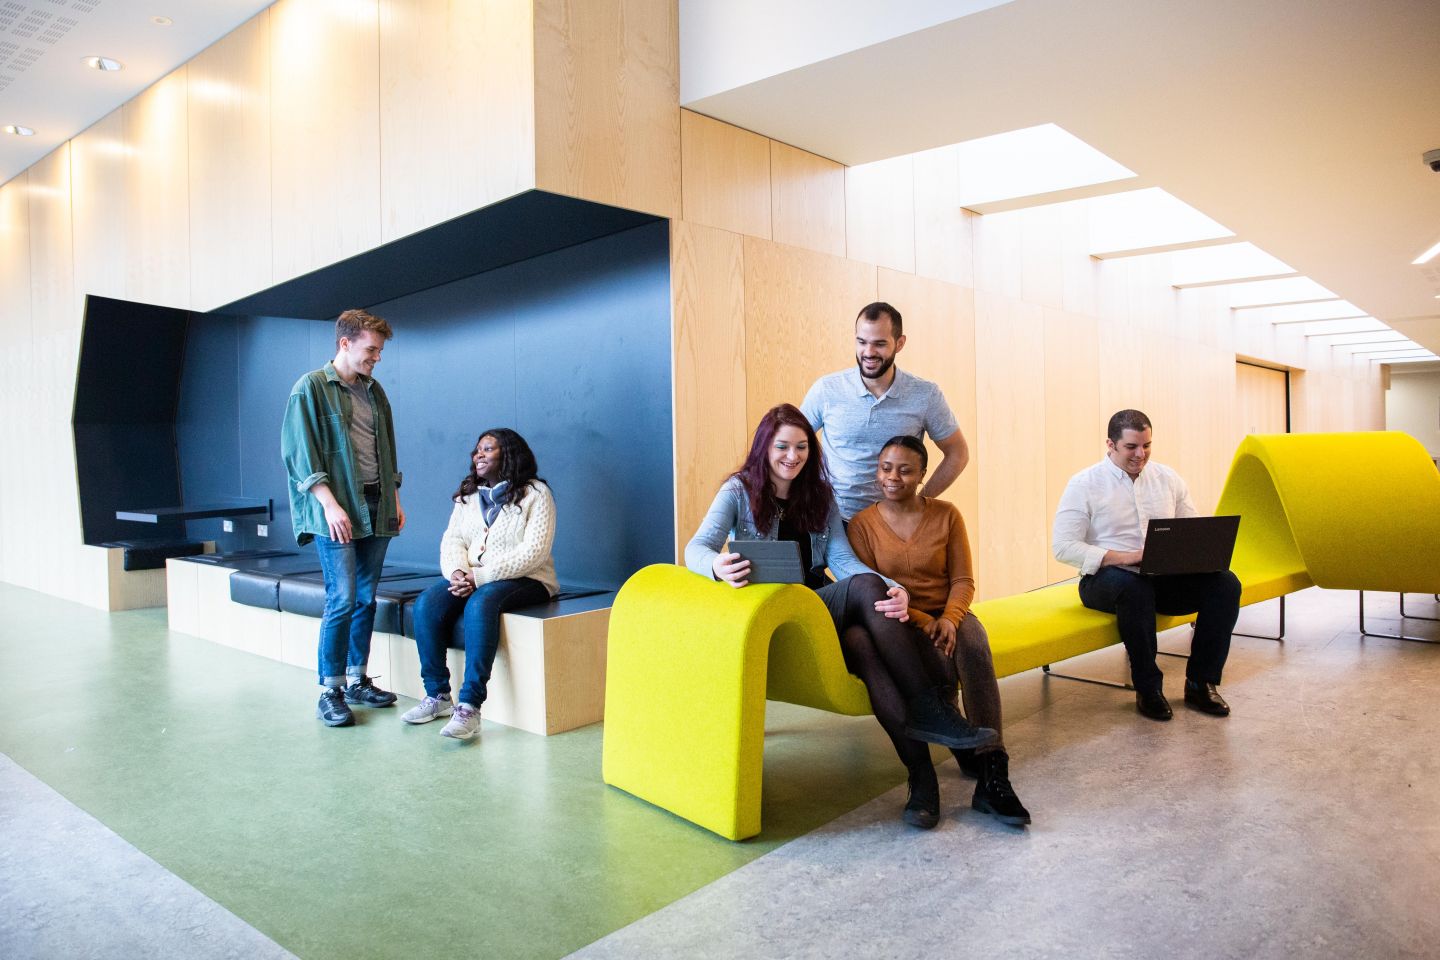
x: 16, y: 352
x: 51, y: 256
x: 100, y: 207
x: 325, y: 89
x: 1010, y: 403
x: 231, y: 249
x: 807, y: 200
x: 880, y: 213
x: 944, y: 244
x: 157, y: 180
x: 457, y: 108
x: 1259, y: 400
x: 800, y: 309
x: 999, y: 254
x: 1042, y: 256
x: 607, y: 102
x: 724, y: 176
x: 712, y: 434
x: 1074, y: 434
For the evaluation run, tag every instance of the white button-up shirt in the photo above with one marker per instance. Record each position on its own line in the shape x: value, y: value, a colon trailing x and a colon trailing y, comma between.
x: 1103, y: 509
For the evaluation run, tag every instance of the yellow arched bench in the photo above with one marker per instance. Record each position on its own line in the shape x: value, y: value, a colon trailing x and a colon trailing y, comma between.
x: 691, y: 662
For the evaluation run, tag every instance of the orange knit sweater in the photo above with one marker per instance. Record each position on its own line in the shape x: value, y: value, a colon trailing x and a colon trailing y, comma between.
x: 933, y: 566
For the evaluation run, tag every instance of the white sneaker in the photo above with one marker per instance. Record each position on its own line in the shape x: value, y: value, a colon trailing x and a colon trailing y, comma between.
x: 428, y: 709
x: 465, y: 724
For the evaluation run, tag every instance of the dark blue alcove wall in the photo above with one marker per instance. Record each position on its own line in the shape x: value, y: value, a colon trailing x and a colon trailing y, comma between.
x: 571, y: 348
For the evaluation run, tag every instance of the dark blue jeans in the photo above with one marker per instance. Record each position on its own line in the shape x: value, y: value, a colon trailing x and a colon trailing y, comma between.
x: 1135, y: 599
x: 435, y: 614
x: 352, y: 571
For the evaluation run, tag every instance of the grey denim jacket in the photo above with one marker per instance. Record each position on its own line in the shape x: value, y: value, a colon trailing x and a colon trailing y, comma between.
x: 729, y: 517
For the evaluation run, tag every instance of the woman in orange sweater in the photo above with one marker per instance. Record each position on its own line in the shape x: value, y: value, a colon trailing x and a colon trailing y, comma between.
x: 921, y: 544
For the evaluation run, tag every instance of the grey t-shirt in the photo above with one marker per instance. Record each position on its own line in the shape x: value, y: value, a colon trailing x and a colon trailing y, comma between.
x: 856, y: 424
x: 362, y: 432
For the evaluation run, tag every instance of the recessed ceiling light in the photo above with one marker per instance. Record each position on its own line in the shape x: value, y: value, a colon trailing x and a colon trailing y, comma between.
x: 1427, y: 256
x: 19, y: 131
x: 161, y: 21
x: 103, y: 63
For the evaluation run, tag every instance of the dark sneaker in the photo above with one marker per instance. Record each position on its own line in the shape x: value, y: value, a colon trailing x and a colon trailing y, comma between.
x: 993, y: 793
x: 366, y: 694
x: 932, y: 720
x: 922, y: 803
x: 332, y: 709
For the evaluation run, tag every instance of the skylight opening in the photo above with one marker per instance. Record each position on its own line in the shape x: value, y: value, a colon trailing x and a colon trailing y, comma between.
x: 1029, y: 162
x: 1146, y: 221
x: 1273, y: 293
x: 1227, y: 263
x: 1305, y: 312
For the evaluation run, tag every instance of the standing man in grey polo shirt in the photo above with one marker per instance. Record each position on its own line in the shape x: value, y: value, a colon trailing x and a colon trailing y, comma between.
x: 860, y: 409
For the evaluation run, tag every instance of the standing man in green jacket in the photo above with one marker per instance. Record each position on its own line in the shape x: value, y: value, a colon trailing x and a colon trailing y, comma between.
x: 338, y: 442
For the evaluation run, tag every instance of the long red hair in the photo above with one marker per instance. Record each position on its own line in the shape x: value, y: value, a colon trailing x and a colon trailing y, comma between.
x: 811, y: 496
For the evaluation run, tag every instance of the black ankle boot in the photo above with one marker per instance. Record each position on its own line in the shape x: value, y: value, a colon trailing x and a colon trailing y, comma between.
x: 922, y: 803
x: 932, y: 720
x: 993, y: 793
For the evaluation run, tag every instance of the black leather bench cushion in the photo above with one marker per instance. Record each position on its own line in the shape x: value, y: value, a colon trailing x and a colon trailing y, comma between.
x: 304, y: 594
x: 240, y: 559
x: 256, y: 581
x: 152, y: 554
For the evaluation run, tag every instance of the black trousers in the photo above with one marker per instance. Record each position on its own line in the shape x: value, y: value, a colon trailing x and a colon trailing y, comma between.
x: 1136, y: 599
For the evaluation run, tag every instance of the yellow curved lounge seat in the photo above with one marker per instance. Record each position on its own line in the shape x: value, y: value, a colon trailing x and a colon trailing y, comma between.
x: 1345, y: 511
x: 686, y: 684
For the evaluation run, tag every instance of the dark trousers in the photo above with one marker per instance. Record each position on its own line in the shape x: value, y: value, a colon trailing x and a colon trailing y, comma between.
x: 1136, y: 599
x: 435, y: 614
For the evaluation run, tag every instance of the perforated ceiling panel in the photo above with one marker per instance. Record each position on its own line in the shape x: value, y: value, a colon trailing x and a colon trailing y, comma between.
x: 28, y: 30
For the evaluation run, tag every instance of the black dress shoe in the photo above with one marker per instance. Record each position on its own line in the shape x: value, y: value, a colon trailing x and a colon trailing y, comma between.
x: 1205, y: 698
x: 1152, y: 704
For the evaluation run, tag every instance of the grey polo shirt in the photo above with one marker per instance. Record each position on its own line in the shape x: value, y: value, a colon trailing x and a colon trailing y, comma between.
x: 856, y: 424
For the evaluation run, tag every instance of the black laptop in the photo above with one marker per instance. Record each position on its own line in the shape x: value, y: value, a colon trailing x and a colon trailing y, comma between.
x: 1189, y: 545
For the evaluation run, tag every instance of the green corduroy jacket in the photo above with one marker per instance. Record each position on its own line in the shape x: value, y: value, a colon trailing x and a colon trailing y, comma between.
x: 315, y: 445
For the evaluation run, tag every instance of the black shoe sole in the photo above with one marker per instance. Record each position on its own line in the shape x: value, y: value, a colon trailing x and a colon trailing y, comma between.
x: 983, y: 736
x: 1012, y: 820
x: 367, y: 703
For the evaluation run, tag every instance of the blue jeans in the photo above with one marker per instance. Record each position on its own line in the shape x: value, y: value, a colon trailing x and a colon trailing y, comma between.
x: 352, y: 572
x: 435, y: 614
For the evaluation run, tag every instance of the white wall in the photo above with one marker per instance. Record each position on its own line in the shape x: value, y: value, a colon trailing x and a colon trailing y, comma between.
x: 1412, y: 404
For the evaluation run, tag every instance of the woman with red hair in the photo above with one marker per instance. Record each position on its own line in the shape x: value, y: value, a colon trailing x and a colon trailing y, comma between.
x: 782, y: 492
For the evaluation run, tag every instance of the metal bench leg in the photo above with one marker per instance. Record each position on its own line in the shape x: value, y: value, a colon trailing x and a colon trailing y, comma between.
x: 1414, y: 616
x: 1280, y: 637
x: 1102, y: 683
x: 1392, y: 636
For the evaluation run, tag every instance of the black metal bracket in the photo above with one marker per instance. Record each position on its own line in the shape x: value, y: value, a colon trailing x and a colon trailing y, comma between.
x: 1101, y: 683
x: 1394, y: 636
x: 1279, y: 637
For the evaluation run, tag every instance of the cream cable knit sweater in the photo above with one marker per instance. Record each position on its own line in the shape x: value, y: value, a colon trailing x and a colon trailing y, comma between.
x: 517, y: 545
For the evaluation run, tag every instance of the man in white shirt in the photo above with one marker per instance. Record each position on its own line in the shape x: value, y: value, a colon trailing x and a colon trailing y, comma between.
x: 1100, y: 528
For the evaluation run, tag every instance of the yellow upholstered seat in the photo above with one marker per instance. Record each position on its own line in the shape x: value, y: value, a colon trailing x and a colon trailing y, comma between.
x: 1345, y: 511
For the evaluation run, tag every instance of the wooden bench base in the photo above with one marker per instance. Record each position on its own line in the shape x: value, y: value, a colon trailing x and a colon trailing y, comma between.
x: 549, y: 673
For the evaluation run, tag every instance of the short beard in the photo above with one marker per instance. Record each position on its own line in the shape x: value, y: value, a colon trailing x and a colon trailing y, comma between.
x: 884, y: 368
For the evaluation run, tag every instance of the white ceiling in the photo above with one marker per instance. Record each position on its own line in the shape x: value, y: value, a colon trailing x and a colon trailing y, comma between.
x: 43, y: 84
x: 1298, y: 124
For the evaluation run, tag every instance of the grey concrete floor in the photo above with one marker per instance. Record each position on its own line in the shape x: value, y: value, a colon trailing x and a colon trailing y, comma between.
x: 70, y: 887
x: 1304, y: 825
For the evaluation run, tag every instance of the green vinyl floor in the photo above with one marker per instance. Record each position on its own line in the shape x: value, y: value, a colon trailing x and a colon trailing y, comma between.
x: 379, y: 840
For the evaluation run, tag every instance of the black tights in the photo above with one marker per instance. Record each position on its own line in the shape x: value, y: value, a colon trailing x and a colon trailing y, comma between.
x: 885, y: 654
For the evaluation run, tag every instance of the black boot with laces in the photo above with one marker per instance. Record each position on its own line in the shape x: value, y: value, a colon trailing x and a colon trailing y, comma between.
x: 993, y: 793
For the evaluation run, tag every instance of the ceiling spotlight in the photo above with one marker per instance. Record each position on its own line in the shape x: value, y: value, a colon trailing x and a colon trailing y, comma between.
x: 18, y: 130
x: 104, y: 64
x: 161, y: 21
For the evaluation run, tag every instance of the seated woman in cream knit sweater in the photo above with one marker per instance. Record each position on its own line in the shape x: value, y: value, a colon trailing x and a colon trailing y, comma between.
x: 496, y: 554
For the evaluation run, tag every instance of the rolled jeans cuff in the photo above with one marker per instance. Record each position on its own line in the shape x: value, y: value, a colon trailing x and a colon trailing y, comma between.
x: 333, y: 682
